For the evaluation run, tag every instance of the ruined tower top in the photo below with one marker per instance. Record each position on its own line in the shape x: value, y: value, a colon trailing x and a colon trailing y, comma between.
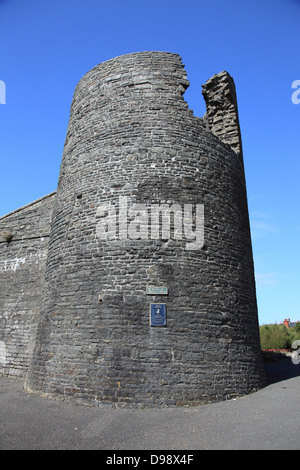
x: 222, y: 111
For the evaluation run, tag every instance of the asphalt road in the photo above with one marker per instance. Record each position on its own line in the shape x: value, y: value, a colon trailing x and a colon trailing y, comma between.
x: 267, y: 419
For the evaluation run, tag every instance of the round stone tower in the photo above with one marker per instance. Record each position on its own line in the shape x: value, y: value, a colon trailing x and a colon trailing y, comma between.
x: 149, y: 292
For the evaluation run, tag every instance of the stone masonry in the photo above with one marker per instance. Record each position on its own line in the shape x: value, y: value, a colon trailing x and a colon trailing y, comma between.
x: 133, y: 146
x: 221, y: 110
x: 22, y: 267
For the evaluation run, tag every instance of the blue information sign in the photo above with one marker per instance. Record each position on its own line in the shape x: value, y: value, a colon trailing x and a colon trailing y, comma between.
x: 158, y: 315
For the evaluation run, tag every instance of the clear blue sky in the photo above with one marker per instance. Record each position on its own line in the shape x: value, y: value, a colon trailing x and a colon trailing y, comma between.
x: 48, y: 45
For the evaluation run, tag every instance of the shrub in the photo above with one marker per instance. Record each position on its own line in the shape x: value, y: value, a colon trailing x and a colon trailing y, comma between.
x: 274, y: 337
x: 278, y: 336
x: 297, y: 327
x: 7, y: 235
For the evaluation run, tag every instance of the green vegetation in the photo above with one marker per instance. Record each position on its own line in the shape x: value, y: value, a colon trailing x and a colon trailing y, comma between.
x: 7, y: 235
x: 278, y: 336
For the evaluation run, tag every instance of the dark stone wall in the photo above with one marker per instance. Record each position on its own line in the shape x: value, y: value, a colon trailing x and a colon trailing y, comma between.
x: 132, y: 135
x: 222, y: 110
x: 22, y: 266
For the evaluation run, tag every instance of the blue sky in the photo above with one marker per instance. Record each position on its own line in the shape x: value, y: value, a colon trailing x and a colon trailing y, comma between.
x: 48, y: 45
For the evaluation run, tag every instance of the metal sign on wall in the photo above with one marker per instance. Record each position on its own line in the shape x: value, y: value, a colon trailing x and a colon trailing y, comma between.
x: 158, y: 315
x: 156, y: 290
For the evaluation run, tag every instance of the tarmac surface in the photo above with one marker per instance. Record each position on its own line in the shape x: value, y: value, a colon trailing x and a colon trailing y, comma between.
x: 265, y: 420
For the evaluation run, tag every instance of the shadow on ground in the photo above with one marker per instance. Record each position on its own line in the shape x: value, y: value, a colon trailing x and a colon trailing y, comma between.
x: 282, y: 370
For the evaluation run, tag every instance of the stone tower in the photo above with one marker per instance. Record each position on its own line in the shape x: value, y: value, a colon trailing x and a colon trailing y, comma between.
x: 149, y: 293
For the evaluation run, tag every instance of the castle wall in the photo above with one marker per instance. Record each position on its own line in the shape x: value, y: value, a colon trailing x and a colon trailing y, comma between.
x: 133, y: 140
x: 22, y: 267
